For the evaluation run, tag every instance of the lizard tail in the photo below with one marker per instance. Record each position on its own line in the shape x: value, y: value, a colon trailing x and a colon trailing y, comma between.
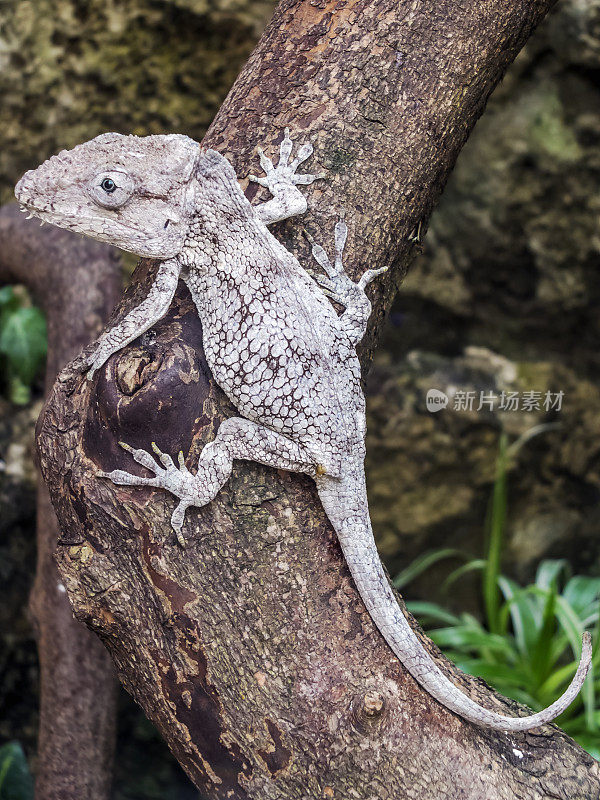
x: 345, y: 502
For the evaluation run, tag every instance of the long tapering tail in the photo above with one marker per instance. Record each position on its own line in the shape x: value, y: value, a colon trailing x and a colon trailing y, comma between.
x: 346, y: 505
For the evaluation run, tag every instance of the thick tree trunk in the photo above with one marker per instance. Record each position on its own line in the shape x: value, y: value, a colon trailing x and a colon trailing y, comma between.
x: 250, y: 649
x: 78, y: 283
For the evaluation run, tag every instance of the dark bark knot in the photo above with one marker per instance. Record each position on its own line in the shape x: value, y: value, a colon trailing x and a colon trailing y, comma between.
x: 159, y: 378
x: 373, y: 704
x: 369, y: 710
x: 277, y: 757
x: 133, y: 371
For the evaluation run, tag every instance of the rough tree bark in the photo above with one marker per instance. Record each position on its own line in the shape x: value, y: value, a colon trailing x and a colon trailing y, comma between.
x: 78, y: 283
x: 250, y: 649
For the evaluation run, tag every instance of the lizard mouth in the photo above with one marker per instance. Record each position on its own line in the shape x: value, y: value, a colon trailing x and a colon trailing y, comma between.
x: 118, y: 233
x: 28, y: 205
x: 49, y: 214
x: 42, y: 214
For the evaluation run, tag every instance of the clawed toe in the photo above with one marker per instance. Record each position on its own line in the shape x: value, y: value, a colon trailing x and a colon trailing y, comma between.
x: 370, y: 275
x: 164, y: 458
x: 335, y: 283
x: 306, y: 180
x: 285, y: 148
x: 140, y: 456
x: 177, y: 520
x: 262, y: 181
x: 122, y: 478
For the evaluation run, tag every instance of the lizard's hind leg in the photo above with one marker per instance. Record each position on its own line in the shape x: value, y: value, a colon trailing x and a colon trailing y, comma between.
x: 236, y: 438
x: 339, y: 287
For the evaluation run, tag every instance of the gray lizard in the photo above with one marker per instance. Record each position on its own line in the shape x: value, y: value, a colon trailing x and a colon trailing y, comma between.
x: 273, y: 342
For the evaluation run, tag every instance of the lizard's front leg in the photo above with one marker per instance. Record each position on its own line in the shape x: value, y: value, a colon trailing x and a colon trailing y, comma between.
x: 141, y: 318
x: 236, y: 438
x: 282, y: 181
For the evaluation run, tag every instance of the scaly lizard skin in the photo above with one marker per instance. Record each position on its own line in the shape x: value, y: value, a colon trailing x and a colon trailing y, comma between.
x: 273, y: 341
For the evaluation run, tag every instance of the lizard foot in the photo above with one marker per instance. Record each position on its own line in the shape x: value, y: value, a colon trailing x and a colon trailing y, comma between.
x: 336, y: 284
x: 175, y: 479
x: 284, y: 174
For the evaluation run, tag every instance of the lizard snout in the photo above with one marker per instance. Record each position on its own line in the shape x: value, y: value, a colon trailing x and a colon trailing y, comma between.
x: 23, y: 189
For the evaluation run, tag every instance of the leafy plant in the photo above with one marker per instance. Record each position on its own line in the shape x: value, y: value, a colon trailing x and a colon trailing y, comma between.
x: 15, y: 779
x: 22, y: 343
x: 530, y: 644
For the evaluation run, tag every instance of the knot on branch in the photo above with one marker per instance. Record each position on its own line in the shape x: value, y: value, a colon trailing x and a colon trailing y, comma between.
x: 369, y: 710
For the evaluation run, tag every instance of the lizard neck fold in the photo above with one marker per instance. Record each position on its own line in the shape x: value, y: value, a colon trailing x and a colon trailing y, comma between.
x: 241, y: 252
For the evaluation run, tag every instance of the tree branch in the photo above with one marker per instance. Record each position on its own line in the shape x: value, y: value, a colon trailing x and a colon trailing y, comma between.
x: 250, y: 649
x: 78, y: 283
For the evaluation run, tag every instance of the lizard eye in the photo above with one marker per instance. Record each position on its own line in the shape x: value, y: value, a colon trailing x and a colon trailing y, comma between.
x: 111, y: 188
x: 108, y: 185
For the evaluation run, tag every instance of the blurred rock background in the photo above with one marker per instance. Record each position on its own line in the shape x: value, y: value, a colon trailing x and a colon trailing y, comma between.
x: 502, y: 298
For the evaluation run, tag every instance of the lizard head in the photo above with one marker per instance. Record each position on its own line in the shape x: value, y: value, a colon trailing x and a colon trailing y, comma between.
x: 135, y: 192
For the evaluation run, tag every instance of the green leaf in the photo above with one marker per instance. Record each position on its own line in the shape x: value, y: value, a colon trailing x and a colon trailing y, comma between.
x: 15, y: 779
x: 540, y: 656
x: 424, y: 610
x: 581, y: 592
x: 522, y: 613
x: 466, y: 638
x: 18, y: 392
x: 570, y: 623
x: 574, y: 629
x: 548, y: 572
x: 498, y: 675
x: 591, y: 619
x: 7, y: 296
x: 495, y: 534
x: 474, y: 565
x: 557, y: 681
x: 9, y: 303
x: 422, y: 563
x: 23, y: 341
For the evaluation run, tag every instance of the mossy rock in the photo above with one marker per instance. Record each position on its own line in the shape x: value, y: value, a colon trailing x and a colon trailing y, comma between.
x: 70, y: 70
